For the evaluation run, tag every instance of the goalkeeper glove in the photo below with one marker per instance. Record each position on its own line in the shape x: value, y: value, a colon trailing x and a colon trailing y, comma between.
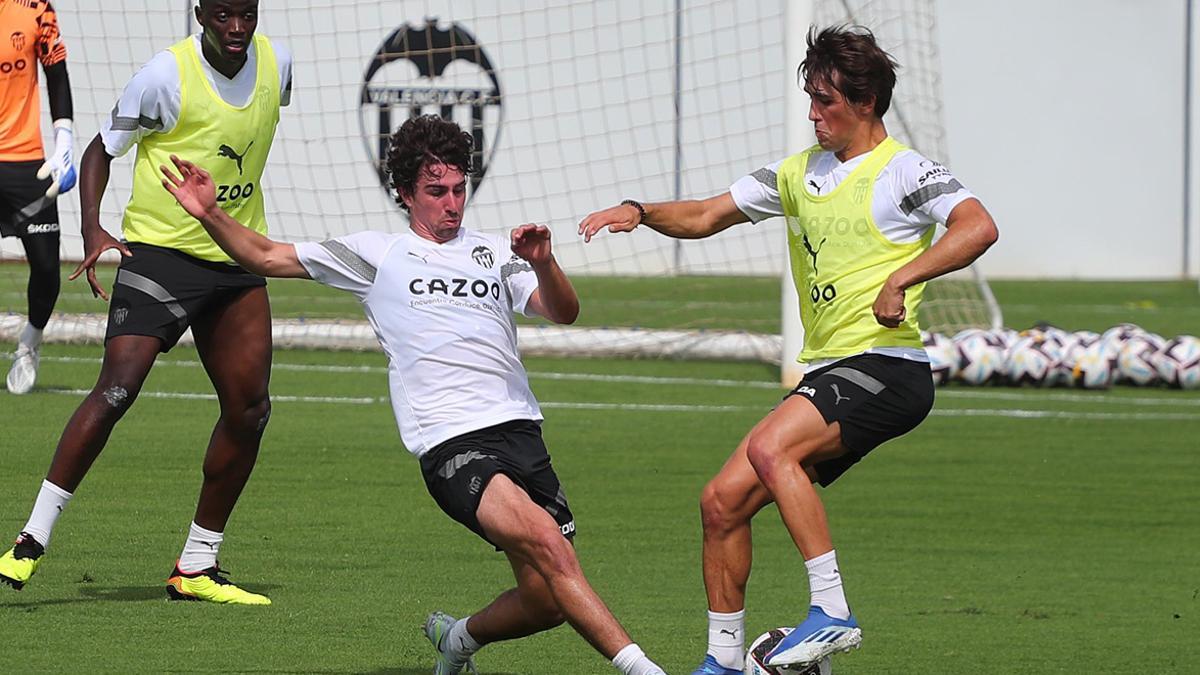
x: 61, y: 165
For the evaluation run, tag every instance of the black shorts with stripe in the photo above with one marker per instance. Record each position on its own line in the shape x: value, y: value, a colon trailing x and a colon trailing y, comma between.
x: 160, y: 291
x: 458, y: 470
x: 24, y: 207
x: 874, y: 398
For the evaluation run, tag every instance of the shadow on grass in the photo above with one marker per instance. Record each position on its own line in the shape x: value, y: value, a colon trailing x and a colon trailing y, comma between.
x: 424, y: 670
x: 88, y: 593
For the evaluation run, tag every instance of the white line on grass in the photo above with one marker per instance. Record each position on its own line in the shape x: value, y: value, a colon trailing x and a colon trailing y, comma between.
x: 1031, y: 395
x: 661, y: 407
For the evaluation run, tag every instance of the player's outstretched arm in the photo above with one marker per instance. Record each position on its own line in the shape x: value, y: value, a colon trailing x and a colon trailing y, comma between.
x: 194, y: 190
x: 554, y: 297
x: 688, y: 219
x: 96, y: 166
x: 970, y: 231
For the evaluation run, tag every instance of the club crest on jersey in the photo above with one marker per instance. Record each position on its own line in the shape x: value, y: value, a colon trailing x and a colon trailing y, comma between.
x: 18, y: 41
x: 411, y: 75
x: 484, y: 256
x: 861, y: 187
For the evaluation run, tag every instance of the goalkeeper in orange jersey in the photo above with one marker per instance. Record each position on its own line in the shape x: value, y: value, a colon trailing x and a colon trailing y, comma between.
x: 30, y: 182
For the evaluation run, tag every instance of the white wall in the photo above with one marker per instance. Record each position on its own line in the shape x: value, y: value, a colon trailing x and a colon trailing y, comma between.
x: 1066, y: 118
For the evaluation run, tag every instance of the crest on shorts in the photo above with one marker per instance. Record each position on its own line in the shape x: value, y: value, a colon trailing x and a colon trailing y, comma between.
x: 484, y: 256
x: 431, y: 68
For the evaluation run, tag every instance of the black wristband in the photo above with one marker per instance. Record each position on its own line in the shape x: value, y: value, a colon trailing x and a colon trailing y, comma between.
x: 637, y: 205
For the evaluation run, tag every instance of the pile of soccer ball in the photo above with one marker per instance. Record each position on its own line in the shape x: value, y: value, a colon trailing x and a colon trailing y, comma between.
x: 1046, y: 356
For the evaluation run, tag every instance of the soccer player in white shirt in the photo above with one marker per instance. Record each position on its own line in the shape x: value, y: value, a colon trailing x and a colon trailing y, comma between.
x: 860, y: 212
x: 441, y: 299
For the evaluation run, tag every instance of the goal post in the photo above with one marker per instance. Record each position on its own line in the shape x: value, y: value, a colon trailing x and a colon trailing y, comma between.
x: 799, y: 15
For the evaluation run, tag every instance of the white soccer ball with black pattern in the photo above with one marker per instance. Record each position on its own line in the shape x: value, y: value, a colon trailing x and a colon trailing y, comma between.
x: 1138, y: 361
x: 1114, y: 340
x: 943, y: 357
x: 1032, y: 360
x: 763, y: 644
x: 981, y: 356
x: 1179, y: 362
x: 1093, y: 369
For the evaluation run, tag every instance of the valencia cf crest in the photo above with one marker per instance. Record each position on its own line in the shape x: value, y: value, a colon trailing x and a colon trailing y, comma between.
x: 432, y: 68
x: 483, y: 256
x: 18, y: 41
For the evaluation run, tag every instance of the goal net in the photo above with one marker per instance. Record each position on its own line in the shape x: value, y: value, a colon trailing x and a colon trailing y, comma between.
x: 574, y: 105
x: 907, y: 29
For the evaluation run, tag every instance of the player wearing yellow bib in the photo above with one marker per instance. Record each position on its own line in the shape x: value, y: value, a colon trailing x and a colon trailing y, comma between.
x: 214, y: 95
x: 860, y: 211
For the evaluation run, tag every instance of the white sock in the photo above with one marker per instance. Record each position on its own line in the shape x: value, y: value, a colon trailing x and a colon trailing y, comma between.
x: 632, y: 661
x: 51, y: 501
x: 30, y: 337
x: 459, y: 644
x: 727, y: 638
x: 825, y: 585
x: 200, y: 550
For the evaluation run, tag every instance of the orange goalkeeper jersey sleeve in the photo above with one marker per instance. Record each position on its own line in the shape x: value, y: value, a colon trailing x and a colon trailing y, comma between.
x: 28, y: 36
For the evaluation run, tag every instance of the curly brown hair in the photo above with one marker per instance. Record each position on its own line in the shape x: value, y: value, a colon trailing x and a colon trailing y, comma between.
x: 850, y: 60
x: 428, y: 139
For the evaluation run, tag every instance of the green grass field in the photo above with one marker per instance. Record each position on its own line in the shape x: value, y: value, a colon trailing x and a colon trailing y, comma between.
x: 1016, y: 531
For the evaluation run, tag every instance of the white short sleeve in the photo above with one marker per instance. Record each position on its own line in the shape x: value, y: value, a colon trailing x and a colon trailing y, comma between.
x: 925, y: 190
x: 520, y: 279
x: 149, y: 104
x: 757, y: 194
x: 283, y: 58
x: 348, y: 263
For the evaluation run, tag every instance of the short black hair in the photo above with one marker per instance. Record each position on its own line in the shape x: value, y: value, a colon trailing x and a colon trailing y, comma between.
x: 428, y: 139
x: 850, y: 60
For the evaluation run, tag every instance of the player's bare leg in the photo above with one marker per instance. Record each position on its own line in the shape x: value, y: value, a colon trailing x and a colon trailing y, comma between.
x: 127, y: 361
x: 551, y: 586
x: 527, y: 609
x: 234, y: 343
x: 782, y: 449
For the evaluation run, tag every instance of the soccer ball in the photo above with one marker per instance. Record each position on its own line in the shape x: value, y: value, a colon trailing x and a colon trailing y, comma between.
x: 763, y: 644
x: 1137, y: 362
x: 1033, y: 360
x: 1114, y: 340
x: 943, y: 357
x: 981, y: 356
x: 1179, y: 362
x: 1093, y: 368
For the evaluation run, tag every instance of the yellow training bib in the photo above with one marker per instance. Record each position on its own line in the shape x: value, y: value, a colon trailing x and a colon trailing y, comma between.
x: 840, y: 260
x: 231, y: 143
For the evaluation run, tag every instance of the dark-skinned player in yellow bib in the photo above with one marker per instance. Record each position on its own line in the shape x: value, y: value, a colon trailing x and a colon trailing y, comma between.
x: 214, y: 95
x: 861, y: 210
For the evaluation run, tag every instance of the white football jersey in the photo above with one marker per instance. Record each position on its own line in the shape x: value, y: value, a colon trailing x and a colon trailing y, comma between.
x: 443, y: 314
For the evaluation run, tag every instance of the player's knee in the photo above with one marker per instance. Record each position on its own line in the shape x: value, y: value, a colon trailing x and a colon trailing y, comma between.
x: 114, y: 397
x: 765, y: 457
x: 551, y: 554
x: 252, y: 418
x: 717, y: 513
